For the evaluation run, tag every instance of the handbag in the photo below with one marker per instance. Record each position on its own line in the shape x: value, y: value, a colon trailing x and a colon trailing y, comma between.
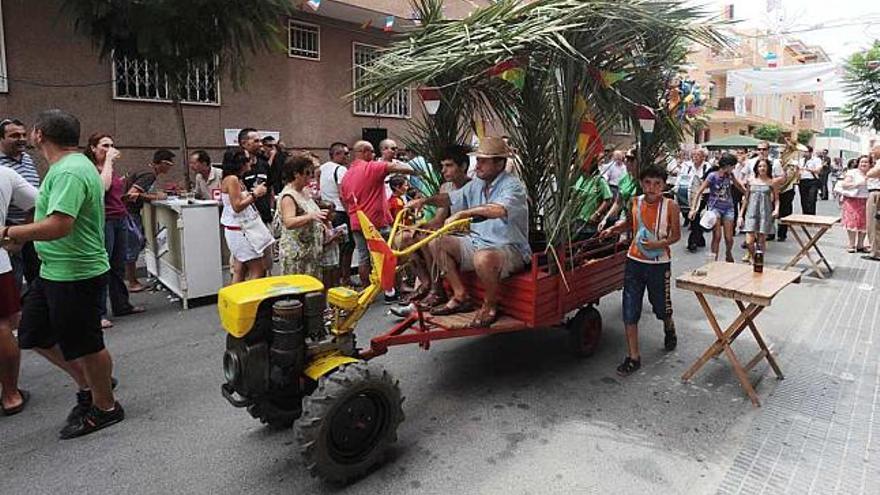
x: 255, y: 231
x: 843, y: 191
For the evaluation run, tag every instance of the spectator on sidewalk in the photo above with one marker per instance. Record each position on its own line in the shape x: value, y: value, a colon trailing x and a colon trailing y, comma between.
x: 101, y: 151
x: 207, y: 179
x: 855, y: 199
x: 258, y: 173
x: 141, y: 187
x: 826, y: 173
x: 810, y: 182
x: 698, y: 173
x: 238, y: 207
x: 14, y: 190
x: 363, y: 188
x: 654, y: 223
x: 331, y: 174
x: 302, y: 221
x: 873, y: 206
x: 614, y: 170
x: 25, y: 263
x: 61, y: 314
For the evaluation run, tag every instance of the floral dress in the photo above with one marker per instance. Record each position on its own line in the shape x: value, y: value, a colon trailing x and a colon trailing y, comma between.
x: 300, y: 249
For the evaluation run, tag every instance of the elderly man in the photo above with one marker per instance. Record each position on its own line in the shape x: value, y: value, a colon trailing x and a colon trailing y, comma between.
x: 207, y: 178
x: 496, y: 247
x: 614, y: 170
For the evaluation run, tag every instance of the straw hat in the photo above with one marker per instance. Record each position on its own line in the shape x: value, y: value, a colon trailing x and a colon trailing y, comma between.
x: 491, y: 147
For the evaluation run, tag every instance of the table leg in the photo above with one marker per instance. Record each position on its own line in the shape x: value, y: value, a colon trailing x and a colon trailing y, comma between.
x: 805, y: 251
x: 716, y: 348
x: 722, y: 339
x: 763, y: 345
x: 814, y: 243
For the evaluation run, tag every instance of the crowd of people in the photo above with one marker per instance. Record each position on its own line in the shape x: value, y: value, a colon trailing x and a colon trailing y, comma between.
x: 70, y: 241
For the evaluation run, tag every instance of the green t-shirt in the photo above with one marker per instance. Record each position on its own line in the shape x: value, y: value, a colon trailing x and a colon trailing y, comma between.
x: 594, y: 191
x: 74, y: 188
x: 628, y: 189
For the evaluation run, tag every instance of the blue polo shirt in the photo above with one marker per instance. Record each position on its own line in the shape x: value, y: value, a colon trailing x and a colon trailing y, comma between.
x: 512, y: 230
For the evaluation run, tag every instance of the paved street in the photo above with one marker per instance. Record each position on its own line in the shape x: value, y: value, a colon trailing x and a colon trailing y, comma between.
x: 506, y: 414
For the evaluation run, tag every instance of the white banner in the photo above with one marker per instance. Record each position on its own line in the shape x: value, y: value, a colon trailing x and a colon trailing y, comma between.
x: 794, y: 79
x: 739, y: 106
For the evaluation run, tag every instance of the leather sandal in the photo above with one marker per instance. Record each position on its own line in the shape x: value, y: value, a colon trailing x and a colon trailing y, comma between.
x: 484, y: 318
x: 456, y: 307
x: 25, y: 397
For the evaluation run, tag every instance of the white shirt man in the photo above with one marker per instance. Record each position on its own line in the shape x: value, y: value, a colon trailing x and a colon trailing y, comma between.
x: 15, y: 191
x: 614, y: 170
x: 811, y: 168
x: 331, y: 174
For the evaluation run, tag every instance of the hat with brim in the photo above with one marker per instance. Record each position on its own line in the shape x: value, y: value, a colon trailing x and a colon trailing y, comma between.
x: 491, y: 147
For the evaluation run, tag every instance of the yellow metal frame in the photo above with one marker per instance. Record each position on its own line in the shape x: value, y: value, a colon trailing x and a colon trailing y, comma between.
x: 323, y: 365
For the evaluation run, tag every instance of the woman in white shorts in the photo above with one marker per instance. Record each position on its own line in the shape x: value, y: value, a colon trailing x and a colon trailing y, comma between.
x: 237, y: 207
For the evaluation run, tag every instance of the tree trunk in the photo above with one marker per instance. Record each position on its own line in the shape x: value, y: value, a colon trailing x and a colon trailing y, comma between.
x: 184, y: 146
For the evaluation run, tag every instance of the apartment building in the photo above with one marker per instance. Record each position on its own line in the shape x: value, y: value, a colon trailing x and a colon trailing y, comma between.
x: 756, y: 50
x: 298, y: 93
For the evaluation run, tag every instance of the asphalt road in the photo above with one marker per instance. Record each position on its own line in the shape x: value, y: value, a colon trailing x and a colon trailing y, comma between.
x: 514, y: 413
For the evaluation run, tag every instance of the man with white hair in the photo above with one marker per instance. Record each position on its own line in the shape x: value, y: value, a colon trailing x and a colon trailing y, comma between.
x: 698, y: 168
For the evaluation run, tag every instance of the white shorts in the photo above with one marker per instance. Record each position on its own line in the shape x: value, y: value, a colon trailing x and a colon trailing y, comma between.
x: 239, y: 247
x: 513, y: 259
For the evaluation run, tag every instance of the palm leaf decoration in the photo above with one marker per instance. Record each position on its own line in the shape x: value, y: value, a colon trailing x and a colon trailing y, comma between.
x: 561, y: 45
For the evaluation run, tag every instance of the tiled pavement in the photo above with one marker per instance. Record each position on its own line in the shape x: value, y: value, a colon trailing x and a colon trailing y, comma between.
x: 817, y: 433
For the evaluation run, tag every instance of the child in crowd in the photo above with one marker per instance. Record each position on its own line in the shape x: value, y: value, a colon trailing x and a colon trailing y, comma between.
x: 399, y: 185
x: 333, y: 238
x: 655, y: 225
x: 720, y: 183
x: 760, y: 206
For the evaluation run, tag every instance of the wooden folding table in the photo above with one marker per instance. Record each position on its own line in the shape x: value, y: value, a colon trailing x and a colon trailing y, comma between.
x: 751, y: 292
x: 810, y: 239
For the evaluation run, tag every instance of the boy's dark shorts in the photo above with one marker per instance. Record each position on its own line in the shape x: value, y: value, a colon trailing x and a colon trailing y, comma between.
x: 63, y: 313
x: 653, y: 277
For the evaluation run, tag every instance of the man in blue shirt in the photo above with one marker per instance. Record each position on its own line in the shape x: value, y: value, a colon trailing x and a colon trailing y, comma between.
x: 13, y: 143
x: 496, y: 247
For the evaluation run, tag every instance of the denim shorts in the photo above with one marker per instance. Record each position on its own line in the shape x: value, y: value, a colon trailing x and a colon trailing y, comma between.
x: 655, y: 278
x: 725, y: 213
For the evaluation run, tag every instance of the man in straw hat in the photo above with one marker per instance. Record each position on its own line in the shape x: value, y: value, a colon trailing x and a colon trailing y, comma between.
x: 496, y: 247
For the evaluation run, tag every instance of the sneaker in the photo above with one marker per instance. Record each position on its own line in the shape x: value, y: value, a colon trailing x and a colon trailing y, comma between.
x: 93, y: 420
x: 403, y: 311
x: 771, y: 237
x: 392, y: 298
x: 84, y: 402
x: 629, y: 366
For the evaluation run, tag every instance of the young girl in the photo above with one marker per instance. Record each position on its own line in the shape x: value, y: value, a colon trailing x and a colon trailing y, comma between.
x: 760, y: 207
x: 720, y: 202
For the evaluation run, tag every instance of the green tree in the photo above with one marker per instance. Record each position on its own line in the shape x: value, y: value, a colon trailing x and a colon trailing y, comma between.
x: 769, y: 132
x: 861, y: 82
x: 804, y: 136
x: 176, y: 36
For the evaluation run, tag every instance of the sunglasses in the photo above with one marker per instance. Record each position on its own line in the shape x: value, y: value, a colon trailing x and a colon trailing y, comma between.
x: 763, y: 149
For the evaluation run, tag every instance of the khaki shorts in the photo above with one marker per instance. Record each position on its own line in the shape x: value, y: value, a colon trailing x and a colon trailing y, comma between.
x: 513, y: 259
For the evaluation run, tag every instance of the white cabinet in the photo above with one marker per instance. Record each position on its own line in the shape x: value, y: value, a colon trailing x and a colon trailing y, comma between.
x: 183, y: 246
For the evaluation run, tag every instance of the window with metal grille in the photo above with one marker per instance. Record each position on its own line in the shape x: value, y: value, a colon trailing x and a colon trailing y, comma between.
x: 622, y: 128
x: 304, y: 40
x: 135, y: 79
x: 396, y: 105
x: 4, y: 86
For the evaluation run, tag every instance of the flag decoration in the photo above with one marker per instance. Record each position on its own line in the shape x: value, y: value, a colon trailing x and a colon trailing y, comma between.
x: 589, y: 141
x: 314, y: 4
x: 607, y: 78
x: 382, y: 256
x: 510, y: 71
x: 389, y: 24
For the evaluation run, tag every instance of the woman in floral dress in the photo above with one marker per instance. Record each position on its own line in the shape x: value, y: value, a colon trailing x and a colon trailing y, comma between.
x: 299, y: 220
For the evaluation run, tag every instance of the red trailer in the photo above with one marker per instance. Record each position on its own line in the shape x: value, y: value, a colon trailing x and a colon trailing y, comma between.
x: 541, y: 297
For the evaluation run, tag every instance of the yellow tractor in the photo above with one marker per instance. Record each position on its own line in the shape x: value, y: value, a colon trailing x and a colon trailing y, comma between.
x: 291, y: 359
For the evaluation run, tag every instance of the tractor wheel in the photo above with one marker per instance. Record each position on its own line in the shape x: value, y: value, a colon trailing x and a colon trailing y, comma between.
x: 585, y: 331
x: 349, y: 422
x: 276, y: 416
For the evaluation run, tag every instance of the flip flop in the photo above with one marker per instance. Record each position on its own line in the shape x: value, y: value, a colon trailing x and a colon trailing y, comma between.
x: 132, y: 311
x: 433, y: 300
x: 484, y: 318
x: 465, y: 306
x: 25, y: 397
x: 137, y: 288
x: 105, y: 324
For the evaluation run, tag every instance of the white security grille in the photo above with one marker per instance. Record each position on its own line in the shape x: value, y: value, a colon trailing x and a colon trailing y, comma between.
x: 397, y: 105
x: 304, y: 40
x: 141, y: 80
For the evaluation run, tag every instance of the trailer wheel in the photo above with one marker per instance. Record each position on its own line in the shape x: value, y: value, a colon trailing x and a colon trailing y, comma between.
x: 585, y: 331
x: 349, y: 422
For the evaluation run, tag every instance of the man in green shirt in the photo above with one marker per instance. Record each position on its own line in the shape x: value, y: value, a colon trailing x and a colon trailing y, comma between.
x: 597, y: 196
x: 61, y: 314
